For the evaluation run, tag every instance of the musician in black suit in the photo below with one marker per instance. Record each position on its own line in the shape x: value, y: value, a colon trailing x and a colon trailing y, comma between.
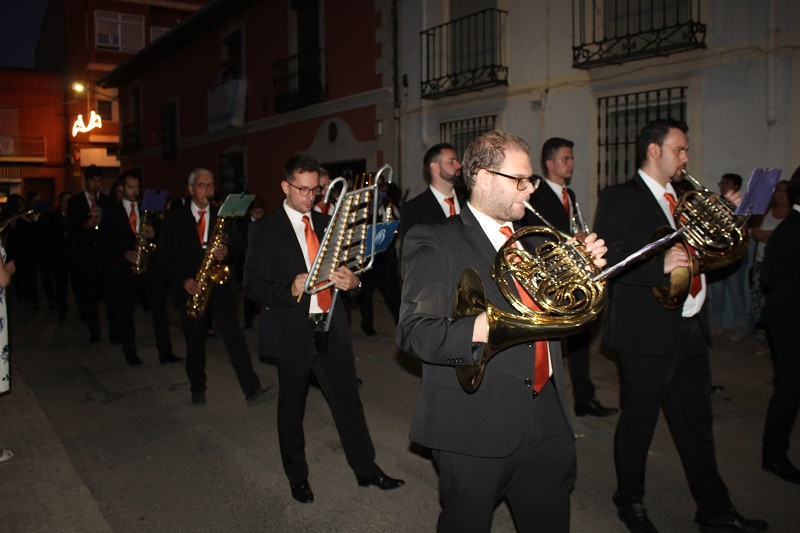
x: 442, y: 199
x: 279, y: 255
x: 254, y: 212
x: 780, y: 276
x: 122, y: 223
x: 84, y: 211
x: 556, y: 203
x: 663, y: 352
x: 511, y: 438
x: 185, y: 235
x: 58, y: 252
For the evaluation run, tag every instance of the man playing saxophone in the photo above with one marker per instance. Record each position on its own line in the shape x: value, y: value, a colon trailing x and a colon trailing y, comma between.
x: 128, y: 235
x: 186, y: 235
x: 511, y: 438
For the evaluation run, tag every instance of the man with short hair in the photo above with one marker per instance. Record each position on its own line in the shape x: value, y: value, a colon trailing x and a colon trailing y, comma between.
x: 556, y: 203
x: 442, y: 198
x: 84, y: 211
x: 185, y: 236
x: 511, y: 438
x: 663, y: 351
x: 291, y: 329
x: 122, y: 224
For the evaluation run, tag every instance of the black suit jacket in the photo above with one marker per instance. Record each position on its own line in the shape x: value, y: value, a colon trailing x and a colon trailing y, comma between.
x: 636, y: 323
x: 425, y: 209
x: 780, y: 274
x: 545, y: 201
x: 180, y: 252
x: 492, y: 421
x: 116, y: 228
x: 84, y: 240
x: 273, y: 260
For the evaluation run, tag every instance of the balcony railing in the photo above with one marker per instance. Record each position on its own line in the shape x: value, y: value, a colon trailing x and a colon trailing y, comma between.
x: 131, y: 138
x: 300, y: 80
x: 615, y: 31
x: 465, y: 54
x: 23, y: 149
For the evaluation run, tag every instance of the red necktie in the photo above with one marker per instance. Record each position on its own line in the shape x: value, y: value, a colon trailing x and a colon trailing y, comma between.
x: 541, y: 364
x: 132, y: 218
x: 94, y: 205
x: 312, y: 243
x: 451, y: 201
x: 697, y: 283
x: 565, y: 200
x: 201, y: 226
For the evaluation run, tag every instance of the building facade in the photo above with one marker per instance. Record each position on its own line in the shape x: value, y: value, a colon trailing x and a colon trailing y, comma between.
x: 243, y: 84
x: 595, y: 71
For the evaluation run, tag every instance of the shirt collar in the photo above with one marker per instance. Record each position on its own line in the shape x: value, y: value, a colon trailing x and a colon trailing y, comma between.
x: 295, y: 216
x: 655, y: 187
x: 490, y: 227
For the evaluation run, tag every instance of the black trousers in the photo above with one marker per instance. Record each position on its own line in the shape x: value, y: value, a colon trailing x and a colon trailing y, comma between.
x: 87, y: 283
x: 536, y: 479
x: 578, y: 351
x: 152, y: 284
x: 336, y: 374
x: 680, y: 382
x: 785, y: 401
x: 223, y: 308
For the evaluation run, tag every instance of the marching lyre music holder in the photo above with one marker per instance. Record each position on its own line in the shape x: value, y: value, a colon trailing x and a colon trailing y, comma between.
x: 347, y: 240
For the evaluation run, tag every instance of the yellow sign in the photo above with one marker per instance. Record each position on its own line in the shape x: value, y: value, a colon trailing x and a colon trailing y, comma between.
x: 94, y: 122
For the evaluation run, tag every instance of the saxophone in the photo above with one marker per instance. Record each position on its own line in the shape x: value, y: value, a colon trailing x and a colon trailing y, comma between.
x: 211, y: 271
x: 144, y: 247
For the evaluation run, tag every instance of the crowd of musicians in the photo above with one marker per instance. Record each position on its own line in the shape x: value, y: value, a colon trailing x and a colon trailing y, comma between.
x: 508, y: 436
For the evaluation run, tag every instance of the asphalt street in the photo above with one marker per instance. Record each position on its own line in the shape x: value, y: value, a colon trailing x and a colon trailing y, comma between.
x: 103, y: 446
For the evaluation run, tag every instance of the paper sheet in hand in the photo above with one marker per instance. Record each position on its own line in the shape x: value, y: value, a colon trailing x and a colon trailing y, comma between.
x: 235, y: 205
x: 154, y: 200
x: 757, y: 195
x: 383, y: 235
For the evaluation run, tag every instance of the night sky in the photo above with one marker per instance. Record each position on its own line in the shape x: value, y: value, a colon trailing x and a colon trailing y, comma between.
x: 20, y: 21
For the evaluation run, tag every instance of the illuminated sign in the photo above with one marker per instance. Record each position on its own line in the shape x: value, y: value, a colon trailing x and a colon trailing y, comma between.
x: 94, y: 122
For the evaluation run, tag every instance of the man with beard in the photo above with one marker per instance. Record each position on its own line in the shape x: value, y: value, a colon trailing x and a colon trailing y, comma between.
x: 442, y: 198
x: 510, y: 439
x: 663, y: 352
x: 121, y: 225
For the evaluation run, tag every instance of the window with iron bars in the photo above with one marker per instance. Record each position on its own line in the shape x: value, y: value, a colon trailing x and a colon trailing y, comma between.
x: 460, y: 133
x: 118, y: 31
x: 620, y: 118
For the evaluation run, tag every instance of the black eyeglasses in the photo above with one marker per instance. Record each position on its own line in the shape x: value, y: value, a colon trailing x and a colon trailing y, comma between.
x: 522, y: 183
x: 305, y: 190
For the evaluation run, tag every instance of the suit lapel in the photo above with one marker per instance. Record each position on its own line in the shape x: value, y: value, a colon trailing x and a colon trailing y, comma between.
x: 650, y: 200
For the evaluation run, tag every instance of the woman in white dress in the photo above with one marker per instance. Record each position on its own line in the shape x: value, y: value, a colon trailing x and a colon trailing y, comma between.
x: 6, y: 271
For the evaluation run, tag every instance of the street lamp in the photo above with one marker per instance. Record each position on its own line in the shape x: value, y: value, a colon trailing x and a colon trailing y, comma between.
x: 79, y: 126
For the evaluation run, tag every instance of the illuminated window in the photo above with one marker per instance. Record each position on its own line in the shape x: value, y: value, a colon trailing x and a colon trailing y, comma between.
x: 118, y: 31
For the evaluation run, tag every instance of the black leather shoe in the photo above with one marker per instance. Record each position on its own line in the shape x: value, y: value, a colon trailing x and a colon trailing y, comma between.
x: 595, y: 408
x: 133, y: 360
x: 731, y: 521
x: 381, y: 480
x: 783, y: 469
x: 198, y: 398
x: 635, y: 518
x: 301, y: 491
x: 369, y: 330
x: 170, y: 358
x: 260, y: 396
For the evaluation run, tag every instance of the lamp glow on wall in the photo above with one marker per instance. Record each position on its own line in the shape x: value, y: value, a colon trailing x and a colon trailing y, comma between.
x: 79, y: 126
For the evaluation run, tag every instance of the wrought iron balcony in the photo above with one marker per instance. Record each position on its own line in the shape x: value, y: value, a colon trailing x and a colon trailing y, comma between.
x: 23, y: 149
x: 465, y: 54
x: 131, y: 138
x: 615, y: 31
x: 300, y: 80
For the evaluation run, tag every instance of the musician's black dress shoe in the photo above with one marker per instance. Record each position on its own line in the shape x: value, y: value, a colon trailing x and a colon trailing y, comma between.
x: 783, y: 469
x: 635, y: 517
x: 731, y: 521
x: 198, y: 398
x: 595, y: 408
x: 301, y: 491
x: 169, y: 358
x: 260, y: 396
x: 133, y: 360
x: 381, y: 480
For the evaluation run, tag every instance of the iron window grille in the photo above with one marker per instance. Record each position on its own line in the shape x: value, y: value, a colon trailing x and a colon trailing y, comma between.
x: 615, y: 31
x: 465, y: 54
x: 300, y: 80
x: 460, y: 133
x: 620, y: 119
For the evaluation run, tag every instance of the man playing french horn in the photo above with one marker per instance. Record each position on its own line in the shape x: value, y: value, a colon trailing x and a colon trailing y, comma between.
x: 510, y: 437
x: 663, y: 346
